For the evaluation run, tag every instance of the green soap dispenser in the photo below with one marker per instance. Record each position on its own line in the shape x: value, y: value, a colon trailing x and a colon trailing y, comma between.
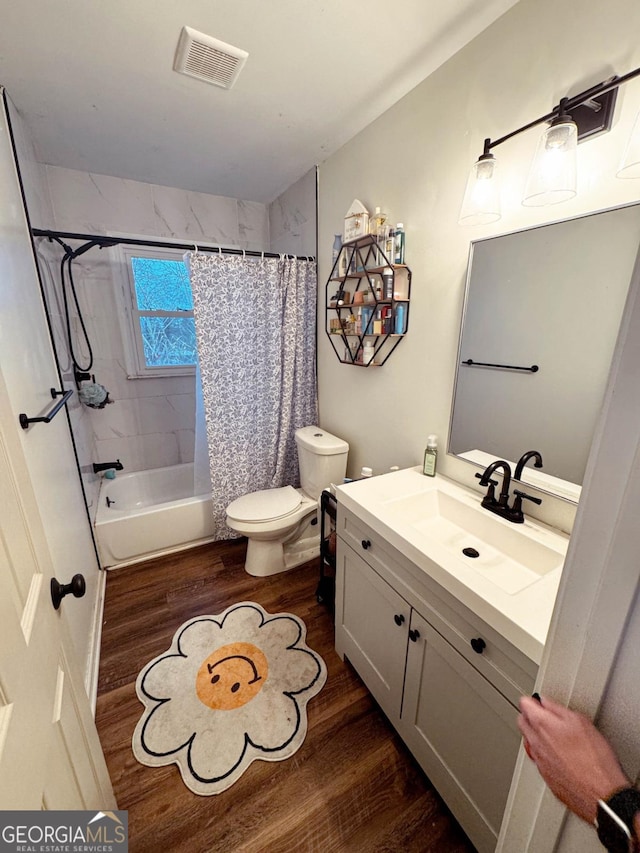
x: 430, y: 456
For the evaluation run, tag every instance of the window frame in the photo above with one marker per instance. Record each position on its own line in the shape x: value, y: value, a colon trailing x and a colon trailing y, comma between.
x: 129, y: 314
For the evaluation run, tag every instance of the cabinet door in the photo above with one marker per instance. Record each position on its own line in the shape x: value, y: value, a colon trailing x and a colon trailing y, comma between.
x: 462, y: 731
x: 372, y: 623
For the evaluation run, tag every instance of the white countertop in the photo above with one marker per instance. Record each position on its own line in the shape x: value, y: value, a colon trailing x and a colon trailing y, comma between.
x: 523, y: 616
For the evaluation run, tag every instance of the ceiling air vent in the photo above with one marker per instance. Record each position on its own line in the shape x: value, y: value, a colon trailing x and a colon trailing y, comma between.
x: 209, y: 59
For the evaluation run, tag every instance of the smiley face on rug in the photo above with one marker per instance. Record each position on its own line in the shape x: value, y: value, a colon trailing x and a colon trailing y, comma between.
x: 231, y: 676
x: 231, y: 689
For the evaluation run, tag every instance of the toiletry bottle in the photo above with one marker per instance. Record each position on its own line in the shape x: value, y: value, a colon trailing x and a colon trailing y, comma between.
x: 368, y: 353
x: 399, y: 319
x: 377, y: 222
x: 398, y: 244
x: 342, y: 264
x: 366, y: 320
x: 430, y: 456
x: 337, y: 246
x: 389, y: 246
x: 378, y: 229
x: 387, y: 283
x: 359, y: 322
x: 377, y: 225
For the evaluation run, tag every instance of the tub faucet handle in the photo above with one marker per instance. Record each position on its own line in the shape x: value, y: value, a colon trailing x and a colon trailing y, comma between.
x: 107, y: 466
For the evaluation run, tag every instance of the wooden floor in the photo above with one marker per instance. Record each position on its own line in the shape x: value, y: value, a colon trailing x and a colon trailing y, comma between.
x: 352, y: 786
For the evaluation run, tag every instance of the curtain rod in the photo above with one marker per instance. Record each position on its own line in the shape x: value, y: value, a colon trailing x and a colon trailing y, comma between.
x: 104, y: 242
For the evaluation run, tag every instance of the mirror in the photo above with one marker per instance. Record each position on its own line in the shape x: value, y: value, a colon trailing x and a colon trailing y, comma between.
x: 540, y: 322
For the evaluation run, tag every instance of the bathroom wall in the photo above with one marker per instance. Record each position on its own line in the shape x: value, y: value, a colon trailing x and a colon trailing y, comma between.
x: 293, y: 218
x: 414, y: 161
x: 151, y: 423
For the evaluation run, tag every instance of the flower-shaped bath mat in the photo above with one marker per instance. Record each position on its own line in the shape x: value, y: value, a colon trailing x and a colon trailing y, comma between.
x: 231, y: 689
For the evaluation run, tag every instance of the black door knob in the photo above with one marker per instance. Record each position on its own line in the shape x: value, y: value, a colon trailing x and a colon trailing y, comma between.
x: 398, y: 618
x: 77, y: 587
x: 414, y: 636
x: 478, y: 645
x: 366, y: 544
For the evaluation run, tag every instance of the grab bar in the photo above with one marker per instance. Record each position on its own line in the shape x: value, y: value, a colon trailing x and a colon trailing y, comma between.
x: 25, y: 421
x: 471, y: 363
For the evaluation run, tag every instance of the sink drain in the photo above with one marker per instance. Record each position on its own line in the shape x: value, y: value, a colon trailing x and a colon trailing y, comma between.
x: 470, y: 552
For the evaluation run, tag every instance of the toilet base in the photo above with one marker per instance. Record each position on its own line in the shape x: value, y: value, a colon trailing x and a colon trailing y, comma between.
x: 271, y: 558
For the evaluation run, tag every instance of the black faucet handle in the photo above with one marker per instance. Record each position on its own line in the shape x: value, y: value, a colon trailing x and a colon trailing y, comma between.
x: 486, y: 482
x: 489, y: 500
x: 523, y: 495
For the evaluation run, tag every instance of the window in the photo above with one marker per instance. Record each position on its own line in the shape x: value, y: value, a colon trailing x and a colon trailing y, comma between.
x: 160, y: 338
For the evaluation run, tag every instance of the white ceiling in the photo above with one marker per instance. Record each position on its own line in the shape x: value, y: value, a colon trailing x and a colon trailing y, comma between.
x: 93, y: 80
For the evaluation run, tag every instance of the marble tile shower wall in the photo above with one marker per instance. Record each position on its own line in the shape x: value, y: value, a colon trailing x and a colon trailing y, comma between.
x: 151, y: 423
x: 292, y: 218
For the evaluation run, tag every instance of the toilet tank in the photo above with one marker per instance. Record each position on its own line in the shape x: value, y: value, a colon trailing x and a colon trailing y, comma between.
x: 322, y: 458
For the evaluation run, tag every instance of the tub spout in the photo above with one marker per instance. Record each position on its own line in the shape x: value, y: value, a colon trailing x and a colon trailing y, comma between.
x: 106, y: 466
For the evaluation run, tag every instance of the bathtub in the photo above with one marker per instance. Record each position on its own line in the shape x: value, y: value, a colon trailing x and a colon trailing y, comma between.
x: 153, y: 512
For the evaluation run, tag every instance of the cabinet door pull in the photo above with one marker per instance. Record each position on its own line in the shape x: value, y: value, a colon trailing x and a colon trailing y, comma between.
x: 366, y: 543
x: 414, y: 636
x: 398, y: 618
x: 478, y: 645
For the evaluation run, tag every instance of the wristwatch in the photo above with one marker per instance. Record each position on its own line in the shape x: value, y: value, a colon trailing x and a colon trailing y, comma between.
x: 614, y: 821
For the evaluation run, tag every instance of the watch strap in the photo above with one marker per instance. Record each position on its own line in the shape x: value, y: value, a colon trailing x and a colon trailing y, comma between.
x: 621, y: 806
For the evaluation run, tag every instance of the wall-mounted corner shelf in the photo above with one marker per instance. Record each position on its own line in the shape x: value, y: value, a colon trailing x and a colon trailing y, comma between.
x: 367, y: 303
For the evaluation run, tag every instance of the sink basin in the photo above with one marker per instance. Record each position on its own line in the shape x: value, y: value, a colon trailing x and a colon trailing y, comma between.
x: 506, y: 554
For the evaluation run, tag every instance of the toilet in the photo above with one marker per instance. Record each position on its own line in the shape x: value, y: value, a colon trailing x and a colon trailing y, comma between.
x: 282, y: 524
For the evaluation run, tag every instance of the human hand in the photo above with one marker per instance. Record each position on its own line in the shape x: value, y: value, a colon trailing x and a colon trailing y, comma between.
x: 573, y: 758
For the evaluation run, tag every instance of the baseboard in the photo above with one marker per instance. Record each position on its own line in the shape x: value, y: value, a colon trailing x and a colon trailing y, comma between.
x: 93, y: 662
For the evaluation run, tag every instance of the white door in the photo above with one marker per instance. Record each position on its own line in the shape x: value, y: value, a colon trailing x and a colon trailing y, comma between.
x: 29, y: 370
x: 50, y: 754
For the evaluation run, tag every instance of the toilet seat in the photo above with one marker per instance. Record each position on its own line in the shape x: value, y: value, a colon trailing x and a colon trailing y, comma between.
x: 265, y: 505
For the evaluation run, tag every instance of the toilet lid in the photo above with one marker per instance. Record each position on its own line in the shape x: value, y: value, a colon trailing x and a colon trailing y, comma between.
x: 265, y: 505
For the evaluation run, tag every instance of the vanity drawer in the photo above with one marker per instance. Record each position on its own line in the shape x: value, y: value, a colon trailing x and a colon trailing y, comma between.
x: 368, y: 544
x: 503, y: 665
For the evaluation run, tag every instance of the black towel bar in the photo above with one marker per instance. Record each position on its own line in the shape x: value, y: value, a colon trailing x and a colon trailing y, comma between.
x: 25, y: 422
x: 471, y: 363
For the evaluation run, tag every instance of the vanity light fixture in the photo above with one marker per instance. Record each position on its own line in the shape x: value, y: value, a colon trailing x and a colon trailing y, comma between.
x: 553, y: 174
x: 481, y: 203
x: 630, y: 163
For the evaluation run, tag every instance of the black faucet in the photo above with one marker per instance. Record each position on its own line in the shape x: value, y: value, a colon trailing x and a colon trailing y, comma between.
x: 501, y: 506
x: 105, y: 466
x: 485, y: 480
x: 530, y: 454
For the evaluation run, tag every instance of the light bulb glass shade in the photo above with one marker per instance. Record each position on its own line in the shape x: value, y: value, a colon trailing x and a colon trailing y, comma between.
x: 630, y: 163
x: 552, y: 177
x: 481, y: 202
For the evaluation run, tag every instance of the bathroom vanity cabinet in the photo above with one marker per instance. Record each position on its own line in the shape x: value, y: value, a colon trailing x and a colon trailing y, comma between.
x: 367, y: 303
x: 448, y: 682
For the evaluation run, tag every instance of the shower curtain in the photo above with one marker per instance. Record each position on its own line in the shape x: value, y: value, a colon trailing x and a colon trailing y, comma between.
x: 256, y: 334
